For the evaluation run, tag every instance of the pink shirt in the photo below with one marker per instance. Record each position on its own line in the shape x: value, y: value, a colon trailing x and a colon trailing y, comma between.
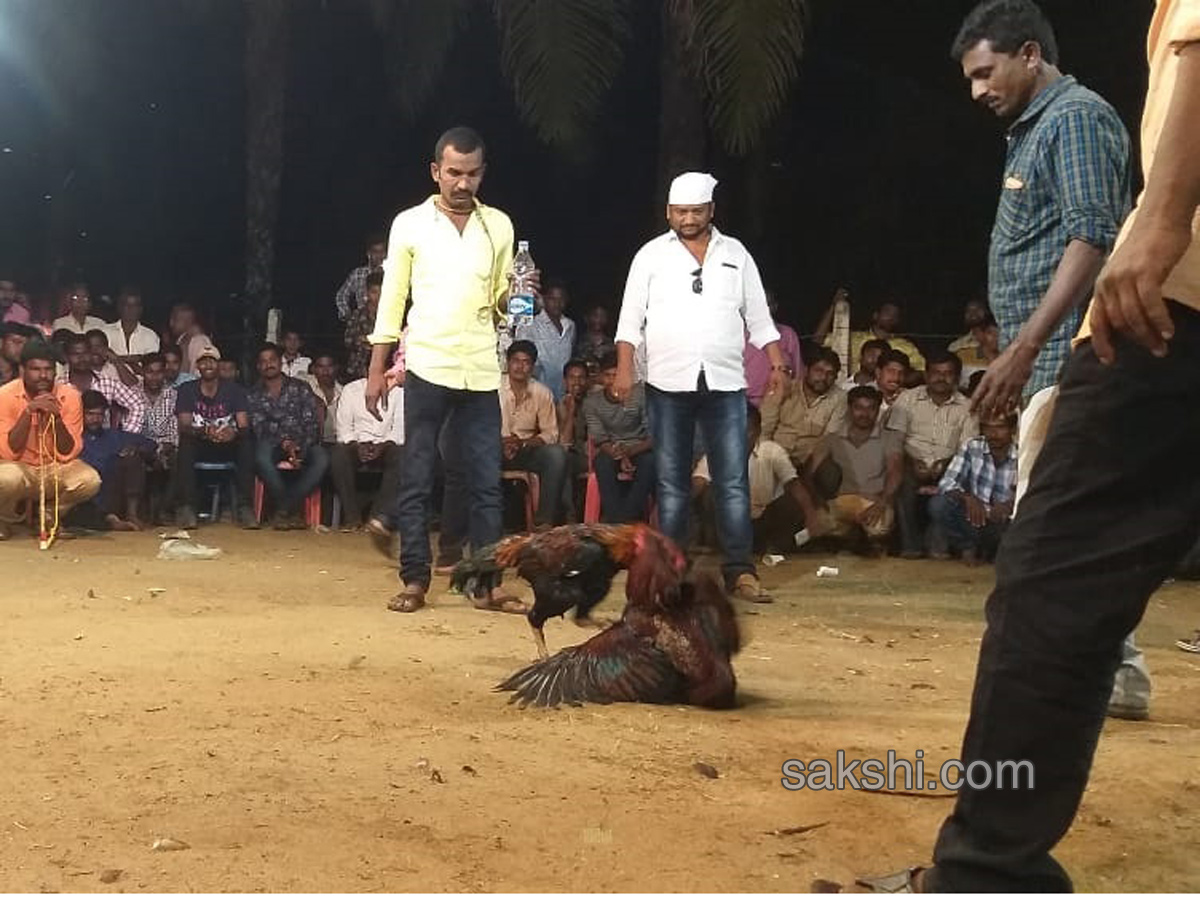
x: 18, y: 313
x: 758, y: 364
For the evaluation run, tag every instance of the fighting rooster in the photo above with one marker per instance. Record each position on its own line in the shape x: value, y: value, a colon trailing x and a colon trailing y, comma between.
x: 672, y: 649
x: 572, y: 567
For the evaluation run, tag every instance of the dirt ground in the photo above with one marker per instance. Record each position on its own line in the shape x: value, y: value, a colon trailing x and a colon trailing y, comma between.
x: 268, y: 712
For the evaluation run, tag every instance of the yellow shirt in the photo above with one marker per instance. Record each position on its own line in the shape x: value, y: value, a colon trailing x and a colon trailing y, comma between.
x: 858, y: 338
x: 1175, y: 24
x: 455, y: 281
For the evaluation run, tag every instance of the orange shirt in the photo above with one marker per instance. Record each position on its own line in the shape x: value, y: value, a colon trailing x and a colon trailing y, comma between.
x: 1176, y: 23
x: 13, y: 401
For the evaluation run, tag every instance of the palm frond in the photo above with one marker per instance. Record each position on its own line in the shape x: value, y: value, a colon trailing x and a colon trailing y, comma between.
x: 748, y: 56
x: 561, y: 57
x: 417, y: 36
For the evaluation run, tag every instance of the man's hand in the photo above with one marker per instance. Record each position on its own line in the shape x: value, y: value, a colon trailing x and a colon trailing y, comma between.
x: 623, y: 382
x: 1128, y: 297
x: 977, y: 513
x: 1000, y: 512
x: 368, y: 452
x: 1003, y: 380
x: 509, y: 446
x: 376, y: 390
x: 223, y: 434
x: 778, y: 383
x: 45, y: 403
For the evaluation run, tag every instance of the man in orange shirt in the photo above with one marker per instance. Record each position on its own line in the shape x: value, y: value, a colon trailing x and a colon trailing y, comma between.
x: 29, y: 443
x: 1112, y: 508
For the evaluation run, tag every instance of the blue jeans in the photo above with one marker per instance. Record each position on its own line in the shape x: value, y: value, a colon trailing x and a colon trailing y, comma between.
x: 721, y: 417
x: 950, y: 512
x: 288, y: 494
x: 473, y: 431
x: 622, y: 502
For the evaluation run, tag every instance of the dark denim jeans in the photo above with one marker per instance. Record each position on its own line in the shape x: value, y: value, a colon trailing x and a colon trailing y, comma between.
x: 949, y: 512
x: 1113, y: 506
x: 473, y: 430
x: 549, y: 463
x: 624, y: 501
x: 721, y: 417
x: 288, y: 493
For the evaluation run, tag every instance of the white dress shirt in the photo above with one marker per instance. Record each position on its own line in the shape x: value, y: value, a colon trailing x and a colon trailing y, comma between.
x: 295, y: 368
x: 70, y: 323
x: 357, y: 426
x: 141, y: 342
x: 686, y: 333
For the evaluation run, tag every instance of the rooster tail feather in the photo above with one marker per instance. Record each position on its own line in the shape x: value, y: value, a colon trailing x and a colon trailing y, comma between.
x: 482, y: 572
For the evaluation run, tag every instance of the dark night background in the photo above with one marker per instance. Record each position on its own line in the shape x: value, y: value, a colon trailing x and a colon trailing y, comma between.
x: 122, y: 121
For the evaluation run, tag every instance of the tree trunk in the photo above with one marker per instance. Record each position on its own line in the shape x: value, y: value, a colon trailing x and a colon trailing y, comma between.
x: 682, y: 141
x: 266, y: 88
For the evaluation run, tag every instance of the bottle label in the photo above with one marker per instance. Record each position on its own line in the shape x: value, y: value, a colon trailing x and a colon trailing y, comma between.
x: 520, y: 306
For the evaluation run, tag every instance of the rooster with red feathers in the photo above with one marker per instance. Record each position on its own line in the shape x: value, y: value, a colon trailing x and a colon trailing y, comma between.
x: 672, y: 644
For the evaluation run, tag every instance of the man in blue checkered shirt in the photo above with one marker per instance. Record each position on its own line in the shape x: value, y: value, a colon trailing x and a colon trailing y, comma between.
x: 1065, y: 191
x: 975, y: 496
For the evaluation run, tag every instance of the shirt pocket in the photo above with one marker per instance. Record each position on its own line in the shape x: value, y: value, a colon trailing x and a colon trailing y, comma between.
x: 1014, y: 214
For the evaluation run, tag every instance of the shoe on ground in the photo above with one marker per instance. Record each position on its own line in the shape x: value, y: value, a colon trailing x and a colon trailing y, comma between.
x: 247, y: 519
x: 748, y: 588
x: 1128, y: 712
x: 1189, y: 645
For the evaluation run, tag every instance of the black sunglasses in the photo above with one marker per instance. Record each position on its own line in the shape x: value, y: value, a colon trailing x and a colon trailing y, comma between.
x: 698, y: 281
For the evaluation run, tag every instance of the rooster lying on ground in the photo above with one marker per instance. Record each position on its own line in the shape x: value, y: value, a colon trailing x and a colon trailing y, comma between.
x: 572, y: 567
x: 673, y: 649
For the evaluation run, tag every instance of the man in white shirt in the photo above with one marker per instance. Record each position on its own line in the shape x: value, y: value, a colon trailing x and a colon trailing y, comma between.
x: 366, y: 444
x: 129, y: 339
x: 693, y: 295
x: 78, y: 318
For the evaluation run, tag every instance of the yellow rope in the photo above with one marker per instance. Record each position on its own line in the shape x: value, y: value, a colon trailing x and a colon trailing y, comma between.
x: 47, y: 450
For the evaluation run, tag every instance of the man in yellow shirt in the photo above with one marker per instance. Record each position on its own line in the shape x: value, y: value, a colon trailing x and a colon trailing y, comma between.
x: 1113, y: 506
x: 885, y: 322
x: 452, y: 254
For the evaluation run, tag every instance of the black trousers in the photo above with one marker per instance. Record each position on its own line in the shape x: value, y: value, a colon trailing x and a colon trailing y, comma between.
x: 1113, y: 506
x: 346, y: 466
x: 193, y: 450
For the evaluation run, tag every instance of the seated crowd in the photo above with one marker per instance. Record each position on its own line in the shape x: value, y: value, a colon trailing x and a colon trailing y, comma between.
x: 884, y: 453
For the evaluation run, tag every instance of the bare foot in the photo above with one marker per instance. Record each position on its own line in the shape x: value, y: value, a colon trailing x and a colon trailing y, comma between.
x: 116, y: 523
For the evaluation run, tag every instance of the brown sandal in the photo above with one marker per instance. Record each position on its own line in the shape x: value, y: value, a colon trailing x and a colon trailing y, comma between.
x: 408, y: 600
x: 505, y: 603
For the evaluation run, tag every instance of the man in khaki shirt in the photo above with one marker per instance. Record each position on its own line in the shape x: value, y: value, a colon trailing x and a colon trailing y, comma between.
x: 529, y: 429
x: 935, y: 420
x: 798, y: 418
x: 1112, y: 507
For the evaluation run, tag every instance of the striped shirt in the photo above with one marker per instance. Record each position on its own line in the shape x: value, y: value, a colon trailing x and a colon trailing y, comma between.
x: 974, y: 471
x: 1066, y: 177
x: 162, y: 424
x: 131, y: 412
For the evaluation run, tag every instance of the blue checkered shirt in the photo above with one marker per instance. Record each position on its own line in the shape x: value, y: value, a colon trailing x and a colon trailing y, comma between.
x: 974, y: 471
x: 1066, y: 177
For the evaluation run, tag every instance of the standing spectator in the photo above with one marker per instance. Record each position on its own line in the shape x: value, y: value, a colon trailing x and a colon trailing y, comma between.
x: 79, y: 306
x: 554, y: 336
x: 757, y: 363
x: 438, y: 250
x: 623, y: 453
x: 975, y: 495
x: 796, y: 419
x: 529, y: 425
x: 29, y: 445
x: 351, y: 294
x: 293, y: 364
x: 323, y: 381
x: 128, y: 337
x: 131, y: 405
x: 358, y: 329
x: 12, y: 307
x: 287, y: 436
x: 365, y: 444
x: 186, y: 334
x: 214, y: 426
x: 1112, y: 505
x: 870, y: 457
x: 691, y: 295
x: 934, y: 420
x: 120, y: 458
x: 173, y: 367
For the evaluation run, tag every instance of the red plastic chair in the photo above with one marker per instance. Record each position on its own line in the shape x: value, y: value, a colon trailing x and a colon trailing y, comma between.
x: 312, y: 503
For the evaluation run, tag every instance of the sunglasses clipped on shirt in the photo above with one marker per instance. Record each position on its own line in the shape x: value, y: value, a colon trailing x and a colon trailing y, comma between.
x: 698, y: 281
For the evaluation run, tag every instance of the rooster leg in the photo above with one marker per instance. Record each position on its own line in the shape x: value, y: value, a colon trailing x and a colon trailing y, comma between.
x: 592, y: 622
x: 540, y: 640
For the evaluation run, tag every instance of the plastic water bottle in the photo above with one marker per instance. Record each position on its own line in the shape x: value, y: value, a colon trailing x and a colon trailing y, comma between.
x: 520, y: 297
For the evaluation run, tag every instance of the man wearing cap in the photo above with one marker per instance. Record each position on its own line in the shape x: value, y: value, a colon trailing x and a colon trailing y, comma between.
x: 41, y: 435
x: 694, y: 296
x: 214, y: 426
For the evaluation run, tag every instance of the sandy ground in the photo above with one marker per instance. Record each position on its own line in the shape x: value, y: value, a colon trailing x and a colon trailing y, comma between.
x: 267, y: 711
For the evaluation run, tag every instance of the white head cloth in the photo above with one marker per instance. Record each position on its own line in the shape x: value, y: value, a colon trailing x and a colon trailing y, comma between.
x: 691, y: 189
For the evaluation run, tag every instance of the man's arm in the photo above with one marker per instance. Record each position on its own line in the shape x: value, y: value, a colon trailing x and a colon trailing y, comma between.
x: 134, y: 404
x: 631, y: 322
x: 344, y: 296
x: 397, y: 279
x: 763, y: 333
x: 1129, y: 291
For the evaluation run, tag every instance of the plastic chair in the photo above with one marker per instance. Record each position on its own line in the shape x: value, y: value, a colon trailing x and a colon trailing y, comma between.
x: 533, y: 487
x: 228, y: 468
x: 312, y: 503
